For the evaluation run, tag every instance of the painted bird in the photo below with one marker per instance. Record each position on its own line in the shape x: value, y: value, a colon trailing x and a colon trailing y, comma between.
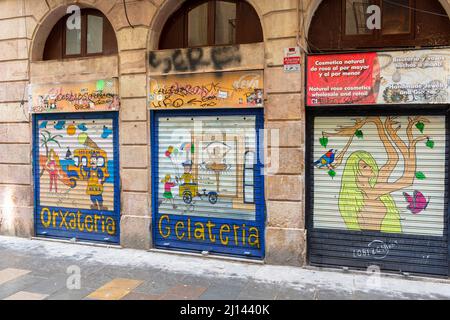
x: 326, y: 160
x: 60, y: 125
x: 82, y: 127
x: 106, y: 132
x: 43, y: 125
x: 417, y: 202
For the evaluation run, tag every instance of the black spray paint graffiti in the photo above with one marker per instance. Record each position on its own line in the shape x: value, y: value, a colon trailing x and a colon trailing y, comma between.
x: 189, y: 60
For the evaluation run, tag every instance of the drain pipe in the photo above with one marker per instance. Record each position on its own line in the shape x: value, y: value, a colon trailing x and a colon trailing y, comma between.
x: 299, y: 22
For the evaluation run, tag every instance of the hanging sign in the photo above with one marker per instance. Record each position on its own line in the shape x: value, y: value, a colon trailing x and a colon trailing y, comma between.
x: 291, y: 59
x: 207, y: 90
x: 99, y: 95
x: 398, y: 77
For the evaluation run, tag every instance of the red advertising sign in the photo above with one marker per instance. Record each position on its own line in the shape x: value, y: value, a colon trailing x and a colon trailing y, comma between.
x: 342, y: 79
x: 397, y: 77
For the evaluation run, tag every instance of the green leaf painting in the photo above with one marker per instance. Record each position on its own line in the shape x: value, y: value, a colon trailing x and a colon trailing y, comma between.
x: 359, y: 134
x: 430, y: 143
x: 332, y: 173
x: 420, y: 126
x: 420, y: 175
x: 323, y: 141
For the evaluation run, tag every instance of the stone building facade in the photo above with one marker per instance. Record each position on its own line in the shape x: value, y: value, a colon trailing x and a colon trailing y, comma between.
x: 24, y: 28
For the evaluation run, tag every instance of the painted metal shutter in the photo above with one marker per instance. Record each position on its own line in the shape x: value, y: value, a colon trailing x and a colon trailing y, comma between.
x: 359, y: 220
x: 203, y: 183
x: 76, y: 177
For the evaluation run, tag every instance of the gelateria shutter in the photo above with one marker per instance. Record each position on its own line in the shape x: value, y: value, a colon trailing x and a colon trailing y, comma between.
x: 76, y: 174
x: 208, y: 172
x: 359, y: 220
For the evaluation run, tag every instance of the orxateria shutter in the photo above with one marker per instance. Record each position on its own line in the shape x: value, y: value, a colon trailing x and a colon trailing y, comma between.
x: 76, y: 177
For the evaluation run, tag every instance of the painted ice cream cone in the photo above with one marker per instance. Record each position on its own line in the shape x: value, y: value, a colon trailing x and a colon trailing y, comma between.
x: 85, y: 140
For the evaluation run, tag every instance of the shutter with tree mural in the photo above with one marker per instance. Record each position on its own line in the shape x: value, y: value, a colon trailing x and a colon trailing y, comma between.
x: 379, y: 193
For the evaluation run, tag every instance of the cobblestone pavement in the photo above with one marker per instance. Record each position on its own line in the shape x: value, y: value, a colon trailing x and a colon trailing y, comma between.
x: 35, y: 269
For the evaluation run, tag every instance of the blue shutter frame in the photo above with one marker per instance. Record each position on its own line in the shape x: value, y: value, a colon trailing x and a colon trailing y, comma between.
x: 79, y: 235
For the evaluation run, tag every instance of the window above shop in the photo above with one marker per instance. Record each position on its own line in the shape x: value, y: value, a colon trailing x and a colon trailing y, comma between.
x: 95, y: 37
x: 396, y: 17
x: 208, y: 23
x: 404, y: 23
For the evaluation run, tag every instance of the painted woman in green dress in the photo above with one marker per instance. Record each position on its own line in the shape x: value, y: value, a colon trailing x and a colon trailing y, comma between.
x: 365, y: 200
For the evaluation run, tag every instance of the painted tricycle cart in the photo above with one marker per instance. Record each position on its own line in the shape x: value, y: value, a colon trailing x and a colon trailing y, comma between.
x: 190, y: 190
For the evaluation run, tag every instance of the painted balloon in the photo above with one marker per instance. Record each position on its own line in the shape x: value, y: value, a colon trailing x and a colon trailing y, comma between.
x: 71, y: 130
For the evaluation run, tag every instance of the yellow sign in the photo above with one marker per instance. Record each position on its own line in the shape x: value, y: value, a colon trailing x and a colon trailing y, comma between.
x: 99, y: 95
x: 207, y: 90
x: 77, y: 221
x: 187, y: 230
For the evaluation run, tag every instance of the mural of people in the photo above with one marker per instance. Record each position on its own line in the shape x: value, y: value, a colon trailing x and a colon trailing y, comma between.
x: 167, y: 195
x: 187, y: 176
x: 201, y: 168
x: 76, y: 164
x: 52, y: 168
x: 95, y: 180
x: 371, y: 176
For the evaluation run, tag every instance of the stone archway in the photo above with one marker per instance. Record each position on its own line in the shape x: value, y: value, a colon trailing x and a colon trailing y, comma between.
x: 168, y: 8
x: 47, y: 22
x: 314, y: 5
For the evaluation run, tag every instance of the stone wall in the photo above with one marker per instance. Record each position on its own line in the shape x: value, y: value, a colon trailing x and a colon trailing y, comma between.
x: 24, y: 27
x: 16, y: 200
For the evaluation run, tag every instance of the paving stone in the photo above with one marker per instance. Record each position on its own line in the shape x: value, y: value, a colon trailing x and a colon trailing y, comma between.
x: 295, y: 294
x: 186, y: 291
x: 50, y: 285
x: 24, y: 295
x: 54, y: 266
x: 259, y: 291
x: 97, y: 278
x: 198, y: 281
x: 17, y: 285
x: 160, y: 283
x: 372, y: 295
x: 141, y: 296
x: 326, y: 294
x: 115, y: 289
x: 224, y: 289
x: 9, y: 274
x: 66, y: 294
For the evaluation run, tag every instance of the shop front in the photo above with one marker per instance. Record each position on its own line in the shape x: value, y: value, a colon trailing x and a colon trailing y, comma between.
x: 207, y: 179
x: 75, y: 160
x: 378, y: 160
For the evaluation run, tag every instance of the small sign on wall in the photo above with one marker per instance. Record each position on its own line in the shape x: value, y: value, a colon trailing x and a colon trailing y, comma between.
x: 292, y: 59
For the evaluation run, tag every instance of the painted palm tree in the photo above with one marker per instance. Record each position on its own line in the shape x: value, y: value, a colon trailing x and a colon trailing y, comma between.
x: 46, y: 139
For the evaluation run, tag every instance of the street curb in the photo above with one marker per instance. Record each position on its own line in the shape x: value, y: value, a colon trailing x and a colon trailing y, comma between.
x: 384, y: 274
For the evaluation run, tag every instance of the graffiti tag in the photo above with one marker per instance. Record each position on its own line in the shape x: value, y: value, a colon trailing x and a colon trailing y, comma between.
x: 376, y: 249
x: 190, y: 60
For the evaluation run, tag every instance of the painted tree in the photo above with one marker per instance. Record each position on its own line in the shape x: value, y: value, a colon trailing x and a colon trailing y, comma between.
x: 365, y: 200
x: 46, y: 139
